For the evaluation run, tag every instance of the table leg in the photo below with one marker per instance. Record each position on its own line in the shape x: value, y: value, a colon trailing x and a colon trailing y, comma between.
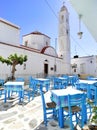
x: 41, y: 87
x: 61, y: 117
x: 5, y: 96
x: 85, y: 115
x: 20, y: 95
x: 46, y: 87
x: 8, y: 93
x: 95, y: 96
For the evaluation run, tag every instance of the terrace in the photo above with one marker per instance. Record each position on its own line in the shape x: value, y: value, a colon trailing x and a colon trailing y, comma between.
x: 29, y: 114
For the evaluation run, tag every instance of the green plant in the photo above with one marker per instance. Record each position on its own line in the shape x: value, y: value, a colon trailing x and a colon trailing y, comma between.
x: 93, y: 118
x: 14, y: 60
x: 94, y: 115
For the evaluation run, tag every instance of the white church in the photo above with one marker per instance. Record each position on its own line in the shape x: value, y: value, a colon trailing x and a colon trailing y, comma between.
x: 43, y: 59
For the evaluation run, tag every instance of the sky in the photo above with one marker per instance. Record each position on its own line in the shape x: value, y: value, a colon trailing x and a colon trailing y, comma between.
x: 42, y: 15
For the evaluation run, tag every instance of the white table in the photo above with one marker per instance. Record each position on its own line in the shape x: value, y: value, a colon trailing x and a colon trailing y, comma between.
x: 13, y: 86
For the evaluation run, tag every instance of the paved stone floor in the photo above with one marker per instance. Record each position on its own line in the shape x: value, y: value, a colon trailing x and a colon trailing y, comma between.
x: 24, y: 116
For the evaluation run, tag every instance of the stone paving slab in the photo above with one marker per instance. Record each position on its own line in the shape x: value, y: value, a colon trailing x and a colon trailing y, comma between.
x: 23, y: 116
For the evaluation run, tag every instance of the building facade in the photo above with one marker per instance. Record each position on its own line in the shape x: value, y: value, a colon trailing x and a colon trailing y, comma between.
x: 43, y: 59
x: 9, y: 32
x: 86, y: 65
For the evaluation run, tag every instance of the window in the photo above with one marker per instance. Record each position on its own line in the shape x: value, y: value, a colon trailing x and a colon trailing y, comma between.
x: 24, y: 66
x: 52, y: 68
x: 67, y: 32
x: 74, y: 70
x: 67, y: 20
x: 55, y: 68
x: 26, y: 43
x: 62, y: 17
x: 82, y: 68
x: 46, y: 43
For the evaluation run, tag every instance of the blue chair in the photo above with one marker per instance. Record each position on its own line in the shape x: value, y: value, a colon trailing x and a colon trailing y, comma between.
x: 86, y: 89
x: 46, y: 84
x: 49, y: 109
x: 92, y: 90
x: 51, y: 78
x: 59, y: 83
x: 2, y: 82
x: 63, y: 82
x: 91, y: 99
x: 30, y: 90
x: 27, y: 92
x: 2, y: 87
x: 34, y: 85
x: 19, y: 79
x: 67, y: 79
x: 56, y: 84
x: 73, y: 80
x: 76, y: 108
x: 81, y: 86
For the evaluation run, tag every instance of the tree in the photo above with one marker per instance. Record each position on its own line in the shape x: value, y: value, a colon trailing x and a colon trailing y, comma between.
x: 14, y: 60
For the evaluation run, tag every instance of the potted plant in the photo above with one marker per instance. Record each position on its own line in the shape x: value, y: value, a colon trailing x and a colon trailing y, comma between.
x: 93, y: 117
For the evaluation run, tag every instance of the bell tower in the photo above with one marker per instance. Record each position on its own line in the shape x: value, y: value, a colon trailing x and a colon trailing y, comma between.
x: 64, y: 38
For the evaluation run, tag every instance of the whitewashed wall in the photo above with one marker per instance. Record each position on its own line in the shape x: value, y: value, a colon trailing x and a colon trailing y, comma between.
x: 85, y: 65
x: 34, y: 64
x: 9, y: 33
x: 36, y: 41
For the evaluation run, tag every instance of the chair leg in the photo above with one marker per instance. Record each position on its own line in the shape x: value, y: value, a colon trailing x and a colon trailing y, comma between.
x: 55, y: 113
x: 45, y: 119
x: 71, y: 123
x: 0, y: 94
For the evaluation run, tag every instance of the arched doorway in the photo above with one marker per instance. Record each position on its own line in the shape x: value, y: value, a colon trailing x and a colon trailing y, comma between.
x: 45, y: 68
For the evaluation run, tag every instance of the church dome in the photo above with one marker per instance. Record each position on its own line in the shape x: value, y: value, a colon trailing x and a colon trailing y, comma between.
x: 63, y: 8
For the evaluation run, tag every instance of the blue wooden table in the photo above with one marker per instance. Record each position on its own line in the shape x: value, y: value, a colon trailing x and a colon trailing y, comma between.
x: 42, y: 82
x: 92, y: 87
x: 11, y: 86
x: 60, y: 98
